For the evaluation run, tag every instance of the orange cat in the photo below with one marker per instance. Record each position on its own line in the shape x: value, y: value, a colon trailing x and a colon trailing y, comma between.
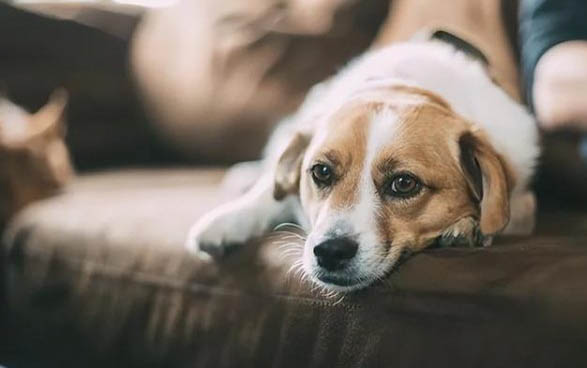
x: 34, y: 161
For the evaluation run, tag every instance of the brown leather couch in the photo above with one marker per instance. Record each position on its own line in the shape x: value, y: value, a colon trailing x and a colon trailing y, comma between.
x: 98, y: 277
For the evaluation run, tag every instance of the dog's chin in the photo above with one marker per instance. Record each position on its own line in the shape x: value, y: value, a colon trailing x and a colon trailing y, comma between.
x: 348, y: 280
x: 340, y: 284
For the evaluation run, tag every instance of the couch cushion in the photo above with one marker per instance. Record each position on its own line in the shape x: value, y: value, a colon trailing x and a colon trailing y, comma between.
x: 99, y: 277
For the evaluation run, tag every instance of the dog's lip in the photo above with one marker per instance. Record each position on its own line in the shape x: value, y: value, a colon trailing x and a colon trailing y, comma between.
x: 337, y: 280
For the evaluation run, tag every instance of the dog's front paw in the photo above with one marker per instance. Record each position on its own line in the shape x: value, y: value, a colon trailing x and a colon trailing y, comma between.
x: 217, y: 234
x: 463, y: 233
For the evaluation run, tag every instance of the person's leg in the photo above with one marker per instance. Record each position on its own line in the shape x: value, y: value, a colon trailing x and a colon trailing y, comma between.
x: 554, y: 59
x: 482, y: 23
x: 560, y: 86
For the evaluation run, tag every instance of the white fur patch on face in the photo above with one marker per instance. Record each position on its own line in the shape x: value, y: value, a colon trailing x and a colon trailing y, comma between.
x: 382, y: 129
x: 363, y: 215
x: 359, y: 220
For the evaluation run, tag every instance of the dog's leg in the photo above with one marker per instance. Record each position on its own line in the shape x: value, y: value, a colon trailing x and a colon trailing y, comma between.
x: 232, y: 224
x: 240, y: 178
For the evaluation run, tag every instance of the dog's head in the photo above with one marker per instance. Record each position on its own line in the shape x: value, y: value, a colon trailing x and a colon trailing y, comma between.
x: 387, y: 175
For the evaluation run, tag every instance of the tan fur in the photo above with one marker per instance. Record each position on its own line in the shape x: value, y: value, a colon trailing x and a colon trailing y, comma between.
x: 344, y: 149
x: 35, y: 164
x: 349, y: 139
x: 287, y: 173
x: 425, y: 144
x: 495, y: 208
x: 432, y: 97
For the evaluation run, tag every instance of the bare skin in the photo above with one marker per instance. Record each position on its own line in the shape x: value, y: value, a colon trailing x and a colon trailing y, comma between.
x: 560, y: 87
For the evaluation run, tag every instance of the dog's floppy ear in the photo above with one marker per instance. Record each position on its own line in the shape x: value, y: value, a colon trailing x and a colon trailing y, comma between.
x: 488, y: 180
x: 287, y: 172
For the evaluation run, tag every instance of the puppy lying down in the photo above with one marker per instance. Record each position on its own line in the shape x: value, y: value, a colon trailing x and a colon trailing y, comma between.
x: 408, y: 146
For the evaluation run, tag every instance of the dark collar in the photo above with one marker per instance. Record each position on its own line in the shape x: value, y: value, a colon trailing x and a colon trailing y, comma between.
x: 460, y: 45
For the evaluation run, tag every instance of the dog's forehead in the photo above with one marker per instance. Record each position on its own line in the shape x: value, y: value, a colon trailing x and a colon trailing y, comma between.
x: 421, y: 139
x: 344, y: 133
x: 374, y: 126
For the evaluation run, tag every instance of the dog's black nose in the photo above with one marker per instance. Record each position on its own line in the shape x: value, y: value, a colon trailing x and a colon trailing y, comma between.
x: 333, y: 254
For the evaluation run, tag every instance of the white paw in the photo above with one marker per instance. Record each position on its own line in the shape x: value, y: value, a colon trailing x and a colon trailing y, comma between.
x: 240, y: 178
x: 218, y: 233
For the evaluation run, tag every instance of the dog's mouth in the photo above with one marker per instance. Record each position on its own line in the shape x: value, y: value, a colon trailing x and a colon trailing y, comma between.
x: 350, y: 280
x: 342, y: 282
x: 337, y: 280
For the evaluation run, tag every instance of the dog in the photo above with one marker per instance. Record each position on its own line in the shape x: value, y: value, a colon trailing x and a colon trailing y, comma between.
x: 408, y: 146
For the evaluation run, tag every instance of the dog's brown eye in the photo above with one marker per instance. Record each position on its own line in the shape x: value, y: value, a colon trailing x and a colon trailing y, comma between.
x: 322, y: 174
x: 404, y: 185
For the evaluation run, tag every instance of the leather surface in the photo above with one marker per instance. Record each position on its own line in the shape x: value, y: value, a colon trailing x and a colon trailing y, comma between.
x: 99, y: 277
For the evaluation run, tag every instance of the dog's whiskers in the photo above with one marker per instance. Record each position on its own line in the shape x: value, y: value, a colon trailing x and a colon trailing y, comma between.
x: 288, y: 224
x: 295, y: 268
x: 289, y: 243
x: 284, y: 233
x: 339, y: 300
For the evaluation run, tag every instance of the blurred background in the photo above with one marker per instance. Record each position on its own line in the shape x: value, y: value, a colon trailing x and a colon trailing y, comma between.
x: 152, y: 82
x: 141, y: 98
x: 160, y: 82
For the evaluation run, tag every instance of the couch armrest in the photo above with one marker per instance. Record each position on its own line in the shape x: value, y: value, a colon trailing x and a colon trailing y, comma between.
x: 99, y: 277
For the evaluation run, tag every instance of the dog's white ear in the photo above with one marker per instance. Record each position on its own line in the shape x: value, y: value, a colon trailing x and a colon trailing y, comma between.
x: 488, y: 179
x: 287, y: 172
x: 51, y: 116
